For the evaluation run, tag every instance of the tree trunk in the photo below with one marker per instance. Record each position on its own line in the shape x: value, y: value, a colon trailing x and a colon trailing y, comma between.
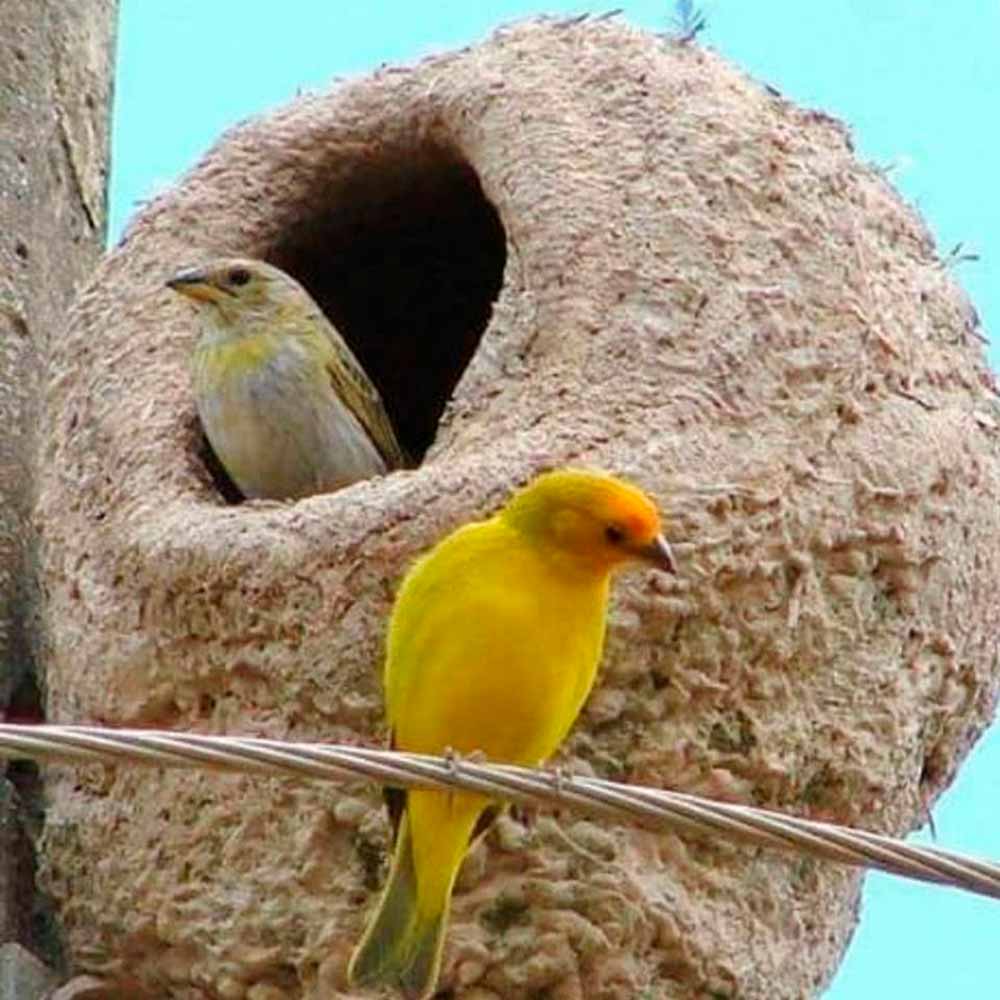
x: 55, y: 96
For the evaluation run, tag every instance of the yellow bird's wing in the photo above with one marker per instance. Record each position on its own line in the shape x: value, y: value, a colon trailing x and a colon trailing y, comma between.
x: 352, y: 385
x: 491, y: 648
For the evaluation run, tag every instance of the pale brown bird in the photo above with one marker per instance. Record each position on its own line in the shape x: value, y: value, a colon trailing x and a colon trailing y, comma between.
x: 284, y: 403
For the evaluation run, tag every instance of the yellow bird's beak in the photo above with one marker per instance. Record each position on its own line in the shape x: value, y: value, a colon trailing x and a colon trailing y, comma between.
x: 659, y: 554
x: 195, y: 284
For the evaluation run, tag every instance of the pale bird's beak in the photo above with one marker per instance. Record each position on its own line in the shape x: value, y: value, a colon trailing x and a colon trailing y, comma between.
x: 658, y: 554
x: 194, y: 283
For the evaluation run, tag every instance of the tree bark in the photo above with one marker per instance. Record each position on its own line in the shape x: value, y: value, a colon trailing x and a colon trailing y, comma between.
x: 55, y: 97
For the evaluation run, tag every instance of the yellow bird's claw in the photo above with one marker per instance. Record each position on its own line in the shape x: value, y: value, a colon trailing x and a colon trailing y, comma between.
x: 453, y: 758
x: 562, y: 778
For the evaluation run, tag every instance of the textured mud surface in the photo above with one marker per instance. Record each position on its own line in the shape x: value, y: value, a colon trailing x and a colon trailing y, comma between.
x: 697, y: 285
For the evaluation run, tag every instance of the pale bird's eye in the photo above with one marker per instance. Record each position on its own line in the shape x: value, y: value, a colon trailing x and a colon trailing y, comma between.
x: 239, y: 276
x: 614, y: 534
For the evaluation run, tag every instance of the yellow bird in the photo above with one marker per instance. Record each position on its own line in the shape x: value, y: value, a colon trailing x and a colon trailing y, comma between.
x: 286, y: 406
x: 494, y: 642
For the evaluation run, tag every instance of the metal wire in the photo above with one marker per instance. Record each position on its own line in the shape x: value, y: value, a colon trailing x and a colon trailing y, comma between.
x: 637, y: 804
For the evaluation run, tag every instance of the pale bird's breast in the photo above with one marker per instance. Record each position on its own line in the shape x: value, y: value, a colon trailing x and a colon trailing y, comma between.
x: 274, y: 421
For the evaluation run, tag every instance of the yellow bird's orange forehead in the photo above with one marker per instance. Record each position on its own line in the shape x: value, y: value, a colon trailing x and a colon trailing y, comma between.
x: 633, y: 510
x: 600, y: 495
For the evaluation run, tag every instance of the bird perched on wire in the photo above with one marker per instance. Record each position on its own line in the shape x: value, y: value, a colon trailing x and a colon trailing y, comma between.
x: 286, y: 406
x: 493, y: 646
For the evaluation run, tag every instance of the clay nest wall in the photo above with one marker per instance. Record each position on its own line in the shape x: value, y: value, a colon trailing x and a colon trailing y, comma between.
x: 580, y: 244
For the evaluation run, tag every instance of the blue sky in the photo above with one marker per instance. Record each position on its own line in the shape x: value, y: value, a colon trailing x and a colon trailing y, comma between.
x: 918, y: 82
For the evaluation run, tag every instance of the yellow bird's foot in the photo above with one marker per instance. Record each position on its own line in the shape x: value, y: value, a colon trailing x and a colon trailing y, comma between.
x: 453, y: 761
x: 562, y: 779
x: 527, y: 815
x: 453, y: 758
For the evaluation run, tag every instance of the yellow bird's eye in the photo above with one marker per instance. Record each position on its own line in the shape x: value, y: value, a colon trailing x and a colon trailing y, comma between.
x: 239, y: 276
x: 614, y: 535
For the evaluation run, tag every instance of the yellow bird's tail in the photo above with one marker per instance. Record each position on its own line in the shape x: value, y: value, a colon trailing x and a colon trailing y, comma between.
x: 402, y: 945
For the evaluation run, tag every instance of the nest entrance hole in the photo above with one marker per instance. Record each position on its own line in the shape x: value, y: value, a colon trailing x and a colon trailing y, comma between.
x: 405, y: 255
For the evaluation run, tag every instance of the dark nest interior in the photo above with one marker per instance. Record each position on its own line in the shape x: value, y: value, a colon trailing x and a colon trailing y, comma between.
x: 406, y: 256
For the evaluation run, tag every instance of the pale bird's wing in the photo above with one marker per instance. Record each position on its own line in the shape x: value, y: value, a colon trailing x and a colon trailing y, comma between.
x: 354, y: 387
